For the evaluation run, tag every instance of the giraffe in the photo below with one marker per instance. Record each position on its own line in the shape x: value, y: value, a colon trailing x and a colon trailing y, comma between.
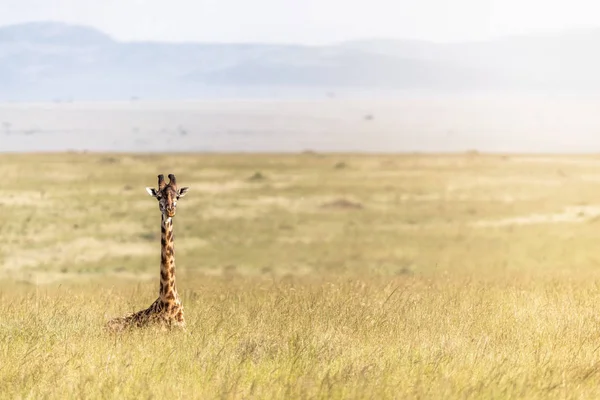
x: 167, y: 310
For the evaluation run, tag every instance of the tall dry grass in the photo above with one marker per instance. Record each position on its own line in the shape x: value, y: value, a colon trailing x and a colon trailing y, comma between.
x: 388, y: 277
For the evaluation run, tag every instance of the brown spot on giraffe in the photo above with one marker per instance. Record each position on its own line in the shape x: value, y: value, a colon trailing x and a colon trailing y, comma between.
x: 167, y: 309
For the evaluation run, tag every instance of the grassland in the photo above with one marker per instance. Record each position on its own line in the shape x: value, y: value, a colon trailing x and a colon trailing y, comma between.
x: 304, y: 276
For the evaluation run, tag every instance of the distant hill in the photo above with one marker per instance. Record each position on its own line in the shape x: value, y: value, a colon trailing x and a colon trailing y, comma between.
x: 565, y: 62
x: 56, y: 61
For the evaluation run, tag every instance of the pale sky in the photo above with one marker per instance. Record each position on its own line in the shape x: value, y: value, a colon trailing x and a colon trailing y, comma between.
x: 309, y: 21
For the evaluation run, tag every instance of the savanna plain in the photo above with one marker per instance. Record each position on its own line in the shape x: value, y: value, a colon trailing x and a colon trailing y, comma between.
x: 304, y: 276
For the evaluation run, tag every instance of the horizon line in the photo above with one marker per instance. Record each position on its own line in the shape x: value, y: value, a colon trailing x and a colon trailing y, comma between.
x: 536, y: 34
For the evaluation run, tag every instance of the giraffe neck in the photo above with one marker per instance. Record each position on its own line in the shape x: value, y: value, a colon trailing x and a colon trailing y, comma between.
x: 168, y: 290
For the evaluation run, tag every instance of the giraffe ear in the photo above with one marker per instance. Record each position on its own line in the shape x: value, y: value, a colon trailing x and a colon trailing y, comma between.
x: 182, y: 191
x: 152, y: 192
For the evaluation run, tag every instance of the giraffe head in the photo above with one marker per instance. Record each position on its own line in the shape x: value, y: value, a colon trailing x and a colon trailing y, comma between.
x: 167, y: 195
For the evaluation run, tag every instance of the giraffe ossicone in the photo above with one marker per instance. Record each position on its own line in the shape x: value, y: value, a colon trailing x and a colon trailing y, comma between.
x: 167, y: 310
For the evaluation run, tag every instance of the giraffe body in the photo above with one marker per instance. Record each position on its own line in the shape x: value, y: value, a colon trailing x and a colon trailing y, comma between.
x: 167, y: 310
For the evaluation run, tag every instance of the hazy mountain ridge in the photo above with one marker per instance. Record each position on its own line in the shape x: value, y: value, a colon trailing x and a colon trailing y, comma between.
x: 555, y: 61
x: 47, y: 60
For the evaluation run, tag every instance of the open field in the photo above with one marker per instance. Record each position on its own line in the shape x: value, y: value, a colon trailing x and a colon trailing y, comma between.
x: 304, y: 276
x: 424, y: 122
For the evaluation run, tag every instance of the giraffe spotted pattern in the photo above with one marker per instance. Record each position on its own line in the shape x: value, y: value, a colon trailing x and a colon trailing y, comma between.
x: 167, y: 310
